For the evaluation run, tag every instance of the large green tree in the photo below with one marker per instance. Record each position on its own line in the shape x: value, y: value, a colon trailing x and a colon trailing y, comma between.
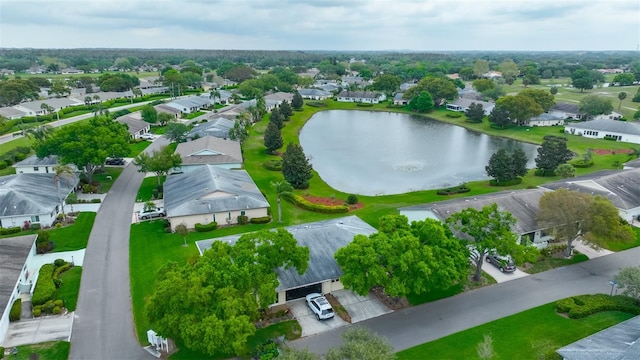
x: 628, y: 279
x: 482, y: 85
x: 387, y: 83
x: 296, y: 168
x: 552, y: 152
x: 582, y: 79
x: 440, y: 89
x: 209, y: 304
x: 272, y: 138
x: 149, y: 114
x: 177, y: 132
x: 625, y: 79
x: 541, y: 97
x: 594, y: 105
x: 87, y: 144
x: 362, y: 344
x: 421, y: 103
x: 475, y: 113
x: 297, y: 101
x: 521, y: 108
x: 505, y: 167
x: 569, y: 215
x: 488, y: 229
x: 159, y: 162
x: 499, y: 117
x: 403, y: 259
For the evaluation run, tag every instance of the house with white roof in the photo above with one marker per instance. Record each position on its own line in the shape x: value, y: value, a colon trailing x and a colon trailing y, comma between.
x: 212, y: 194
x: 11, y: 113
x: 546, y: 119
x: 323, y: 239
x: 34, y: 165
x: 209, y: 150
x: 462, y: 105
x: 190, y: 104
x: 218, y: 127
x: 368, y: 97
x: 135, y: 126
x: 625, y: 131
x: 314, y: 94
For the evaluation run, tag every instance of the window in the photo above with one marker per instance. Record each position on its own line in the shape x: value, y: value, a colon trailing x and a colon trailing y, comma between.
x: 35, y: 219
x: 35, y: 168
x: 242, y: 213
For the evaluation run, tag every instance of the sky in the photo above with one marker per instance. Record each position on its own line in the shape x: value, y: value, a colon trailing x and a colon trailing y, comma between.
x: 420, y: 25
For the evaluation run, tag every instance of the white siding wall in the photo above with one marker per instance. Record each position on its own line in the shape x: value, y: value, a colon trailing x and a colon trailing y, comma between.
x: 10, y: 221
x: 4, y: 320
x: 545, y: 122
x: 220, y: 218
x: 635, y: 139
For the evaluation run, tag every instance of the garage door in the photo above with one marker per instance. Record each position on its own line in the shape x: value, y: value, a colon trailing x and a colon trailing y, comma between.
x: 301, y: 292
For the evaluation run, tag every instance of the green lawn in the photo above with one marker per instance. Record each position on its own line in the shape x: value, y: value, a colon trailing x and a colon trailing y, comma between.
x: 10, y: 145
x: 468, y: 284
x: 145, y: 192
x: 138, y: 147
x: 107, y: 178
x: 549, y: 263
x: 532, y: 334
x: 619, y: 246
x: 158, y: 130
x: 70, y: 287
x: 194, y: 115
x: 76, y: 236
x: 55, y: 350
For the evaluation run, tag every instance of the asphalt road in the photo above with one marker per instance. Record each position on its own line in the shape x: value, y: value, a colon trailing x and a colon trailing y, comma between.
x: 103, y: 326
x: 413, y: 326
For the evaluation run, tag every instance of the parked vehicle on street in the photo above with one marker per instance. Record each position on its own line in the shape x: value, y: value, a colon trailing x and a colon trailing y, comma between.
x: 114, y: 161
x: 151, y: 213
x: 320, y: 306
x: 147, y: 136
x: 503, y: 262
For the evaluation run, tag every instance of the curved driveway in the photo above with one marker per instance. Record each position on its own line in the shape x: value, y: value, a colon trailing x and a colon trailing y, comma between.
x: 413, y: 326
x: 103, y: 326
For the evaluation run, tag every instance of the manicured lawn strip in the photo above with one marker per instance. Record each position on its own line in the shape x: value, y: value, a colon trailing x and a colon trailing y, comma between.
x: 619, y: 246
x: 194, y: 115
x: 531, y: 334
x: 72, y: 114
x: 145, y: 192
x: 55, y: 350
x: 70, y: 287
x: 454, y: 290
x: 76, y: 236
x: 10, y: 145
x: 158, y: 130
x: 138, y: 147
x: 105, y: 182
x: 549, y: 263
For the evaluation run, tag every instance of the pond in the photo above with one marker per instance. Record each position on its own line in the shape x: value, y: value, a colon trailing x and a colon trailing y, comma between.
x: 383, y: 153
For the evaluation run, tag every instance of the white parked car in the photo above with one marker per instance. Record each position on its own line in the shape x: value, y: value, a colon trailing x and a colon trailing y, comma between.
x: 147, y: 136
x: 320, y: 306
x: 150, y: 214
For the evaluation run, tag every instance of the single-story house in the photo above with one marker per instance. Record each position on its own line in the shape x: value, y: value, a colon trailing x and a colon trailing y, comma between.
x: 34, y: 165
x: 33, y: 108
x: 331, y: 87
x: 355, y: 80
x: 210, y: 193
x: 621, y: 187
x: 11, y: 113
x: 314, y: 94
x: 491, y: 74
x: 406, y: 86
x: 218, y: 127
x: 618, y: 342
x: 31, y: 199
x: 610, y: 116
x: 15, y: 254
x: 135, y: 126
x: 625, y: 131
x: 71, y: 71
x: 370, y: 97
x: 469, y: 93
x: 567, y: 111
x: 323, y: 238
x: 462, y: 104
x: 209, y: 150
x: 162, y: 108
x: 310, y: 73
x: 522, y: 204
x: 546, y: 119
x: 190, y: 104
x: 399, y: 100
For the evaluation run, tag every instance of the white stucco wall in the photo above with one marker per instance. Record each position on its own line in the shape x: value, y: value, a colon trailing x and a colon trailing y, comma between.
x: 220, y: 218
x: 45, y: 220
x: 634, y: 139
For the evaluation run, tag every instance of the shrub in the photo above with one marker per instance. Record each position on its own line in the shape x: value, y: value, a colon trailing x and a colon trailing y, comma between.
x: 59, y: 303
x: 89, y: 189
x: 316, y: 104
x: 243, y: 219
x: 516, y: 181
x: 307, y: 205
x: 95, y: 201
x: 37, y: 312
x: 584, y: 305
x: 48, y: 307
x: 3, y: 164
x: 364, y: 105
x: 45, y: 247
x: 352, y: 199
x: 59, y: 270
x: 16, y: 309
x: 56, y: 310
x: 543, y: 173
x: 11, y: 230
x: 582, y: 164
x: 260, y: 220
x: 206, y: 227
x: 59, y: 262
x: 273, y: 164
x: 553, y: 249
x: 454, y: 114
x: 45, y: 288
x: 454, y: 190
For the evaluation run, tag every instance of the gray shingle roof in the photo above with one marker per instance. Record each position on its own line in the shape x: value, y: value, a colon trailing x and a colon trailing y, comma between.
x: 218, y: 127
x: 211, y: 189
x: 546, y: 117
x: 522, y: 204
x: 633, y: 163
x: 30, y: 194
x: 133, y: 125
x: 209, y: 150
x: 314, y: 92
x: 56, y: 103
x: 566, y: 107
x: 607, y: 125
x: 13, y: 254
x: 359, y: 94
x: 323, y: 238
x: 619, y: 342
x: 622, y: 187
x: 465, y: 103
x: 10, y: 112
x: 33, y: 160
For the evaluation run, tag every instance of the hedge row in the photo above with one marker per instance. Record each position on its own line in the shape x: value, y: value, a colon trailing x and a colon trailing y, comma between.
x: 206, y: 227
x: 584, y: 305
x: 273, y: 164
x: 45, y: 288
x: 11, y: 230
x: 582, y: 164
x: 454, y: 190
x: 494, y: 182
x: 16, y: 310
x: 260, y: 220
x: 307, y: 205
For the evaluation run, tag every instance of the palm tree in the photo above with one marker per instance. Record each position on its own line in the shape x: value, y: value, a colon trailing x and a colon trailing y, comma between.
x: 621, y: 96
x: 87, y: 100
x: 281, y: 187
x: 66, y: 173
x: 39, y: 133
x: 183, y: 231
x: 213, y: 95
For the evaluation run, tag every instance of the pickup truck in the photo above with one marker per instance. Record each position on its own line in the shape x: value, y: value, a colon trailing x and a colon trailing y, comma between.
x: 152, y: 213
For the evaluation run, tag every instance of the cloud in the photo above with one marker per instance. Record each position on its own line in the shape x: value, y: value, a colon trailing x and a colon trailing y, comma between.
x: 323, y: 24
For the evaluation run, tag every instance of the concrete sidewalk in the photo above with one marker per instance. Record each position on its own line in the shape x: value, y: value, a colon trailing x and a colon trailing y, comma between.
x: 38, y: 330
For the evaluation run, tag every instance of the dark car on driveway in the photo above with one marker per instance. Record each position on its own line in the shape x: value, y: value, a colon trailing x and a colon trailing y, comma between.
x: 503, y: 262
x: 114, y: 161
